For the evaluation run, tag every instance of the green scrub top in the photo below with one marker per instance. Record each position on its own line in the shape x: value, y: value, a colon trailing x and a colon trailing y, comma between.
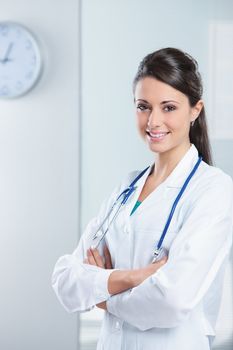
x: 135, y: 207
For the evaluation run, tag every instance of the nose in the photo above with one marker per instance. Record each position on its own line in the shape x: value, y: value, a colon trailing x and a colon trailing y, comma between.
x: 155, y: 119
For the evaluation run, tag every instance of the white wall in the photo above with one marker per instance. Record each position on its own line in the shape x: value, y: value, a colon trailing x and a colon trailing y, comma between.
x: 39, y: 177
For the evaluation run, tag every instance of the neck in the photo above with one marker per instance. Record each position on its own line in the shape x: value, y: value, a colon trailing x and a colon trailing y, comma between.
x: 166, y: 162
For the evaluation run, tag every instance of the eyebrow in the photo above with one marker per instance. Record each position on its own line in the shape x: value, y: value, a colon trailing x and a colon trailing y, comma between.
x: 162, y: 103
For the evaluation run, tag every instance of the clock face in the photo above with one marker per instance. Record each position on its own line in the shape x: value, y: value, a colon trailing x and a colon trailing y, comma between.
x: 20, y: 60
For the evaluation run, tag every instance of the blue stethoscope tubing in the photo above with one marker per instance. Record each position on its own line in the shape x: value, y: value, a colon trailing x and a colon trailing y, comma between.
x: 176, y: 201
x: 127, y: 193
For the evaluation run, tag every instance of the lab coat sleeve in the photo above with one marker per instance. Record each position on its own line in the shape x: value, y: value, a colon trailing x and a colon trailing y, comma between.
x: 80, y: 286
x: 166, y: 298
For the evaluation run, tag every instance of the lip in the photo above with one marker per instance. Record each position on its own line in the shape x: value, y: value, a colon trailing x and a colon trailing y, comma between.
x: 157, y: 138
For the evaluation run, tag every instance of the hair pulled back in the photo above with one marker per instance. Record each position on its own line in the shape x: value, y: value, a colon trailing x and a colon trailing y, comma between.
x: 179, y: 70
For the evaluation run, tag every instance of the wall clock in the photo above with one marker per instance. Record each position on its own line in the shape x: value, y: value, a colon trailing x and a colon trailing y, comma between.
x: 20, y: 60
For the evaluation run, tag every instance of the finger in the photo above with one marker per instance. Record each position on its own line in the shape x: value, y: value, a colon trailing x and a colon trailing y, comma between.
x: 90, y: 257
x: 162, y: 261
x: 102, y: 305
x: 108, y: 259
x: 85, y: 261
x: 98, y: 258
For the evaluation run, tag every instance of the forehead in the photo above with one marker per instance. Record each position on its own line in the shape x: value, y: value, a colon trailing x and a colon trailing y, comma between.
x: 152, y: 90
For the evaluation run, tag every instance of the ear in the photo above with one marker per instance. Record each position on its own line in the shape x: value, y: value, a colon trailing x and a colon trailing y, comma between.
x: 196, y: 110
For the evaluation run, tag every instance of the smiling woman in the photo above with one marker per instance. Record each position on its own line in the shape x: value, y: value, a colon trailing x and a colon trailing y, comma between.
x: 168, y: 91
x: 171, y: 302
x: 165, y: 115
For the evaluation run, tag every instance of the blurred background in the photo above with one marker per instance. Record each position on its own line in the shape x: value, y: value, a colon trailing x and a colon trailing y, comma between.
x: 67, y: 143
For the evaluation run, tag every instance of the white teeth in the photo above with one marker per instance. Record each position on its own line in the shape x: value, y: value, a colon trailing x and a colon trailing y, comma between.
x: 158, y: 135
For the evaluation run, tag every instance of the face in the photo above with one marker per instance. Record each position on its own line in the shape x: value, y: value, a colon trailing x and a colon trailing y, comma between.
x: 163, y: 115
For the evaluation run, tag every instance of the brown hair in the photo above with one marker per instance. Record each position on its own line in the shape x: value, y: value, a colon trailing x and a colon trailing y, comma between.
x: 179, y: 70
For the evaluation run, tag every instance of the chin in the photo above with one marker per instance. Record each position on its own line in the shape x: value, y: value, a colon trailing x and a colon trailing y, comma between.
x: 161, y: 148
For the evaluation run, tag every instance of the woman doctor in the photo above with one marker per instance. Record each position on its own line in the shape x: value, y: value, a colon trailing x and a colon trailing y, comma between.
x: 178, y: 214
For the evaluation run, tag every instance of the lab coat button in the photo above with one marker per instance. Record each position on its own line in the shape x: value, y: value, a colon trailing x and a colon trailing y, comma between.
x: 117, y: 325
x: 126, y: 230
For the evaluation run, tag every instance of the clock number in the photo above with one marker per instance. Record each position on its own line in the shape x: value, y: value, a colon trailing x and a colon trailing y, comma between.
x: 4, y: 91
x: 4, y: 30
x: 28, y: 45
x: 19, y: 85
x: 29, y: 75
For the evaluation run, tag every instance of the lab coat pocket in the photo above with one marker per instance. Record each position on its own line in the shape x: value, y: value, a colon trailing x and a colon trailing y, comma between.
x: 152, y: 236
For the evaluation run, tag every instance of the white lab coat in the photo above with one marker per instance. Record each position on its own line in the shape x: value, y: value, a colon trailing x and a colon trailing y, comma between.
x: 176, y: 307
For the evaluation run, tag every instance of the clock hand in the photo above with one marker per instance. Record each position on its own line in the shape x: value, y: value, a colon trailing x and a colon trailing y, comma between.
x: 7, y: 54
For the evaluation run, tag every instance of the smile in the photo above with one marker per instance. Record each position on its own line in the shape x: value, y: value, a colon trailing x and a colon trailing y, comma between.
x: 158, y: 136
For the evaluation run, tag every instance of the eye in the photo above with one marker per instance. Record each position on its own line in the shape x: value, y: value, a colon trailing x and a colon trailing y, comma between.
x: 142, y: 107
x: 169, y: 108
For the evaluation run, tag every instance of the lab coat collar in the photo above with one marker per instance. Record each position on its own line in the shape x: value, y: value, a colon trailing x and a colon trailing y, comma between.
x: 179, y: 173
x: 182, y: 169
x: 174, y: 180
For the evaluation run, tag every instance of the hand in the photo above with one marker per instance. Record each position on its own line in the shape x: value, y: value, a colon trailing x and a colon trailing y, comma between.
x: 94, y: 258
x: 121, y: 280
x: 139, y: 275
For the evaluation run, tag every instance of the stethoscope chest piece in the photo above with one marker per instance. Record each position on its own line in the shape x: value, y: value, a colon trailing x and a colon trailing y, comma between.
x: 159, y: 254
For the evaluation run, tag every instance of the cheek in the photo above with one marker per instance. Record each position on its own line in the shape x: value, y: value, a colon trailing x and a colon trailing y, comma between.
x: 179, y: 122
x: 141, y: 121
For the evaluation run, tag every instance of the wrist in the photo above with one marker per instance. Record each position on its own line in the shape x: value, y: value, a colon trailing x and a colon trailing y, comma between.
x: 135, y: 277
x: 131, y: 278
x: 120, y: 280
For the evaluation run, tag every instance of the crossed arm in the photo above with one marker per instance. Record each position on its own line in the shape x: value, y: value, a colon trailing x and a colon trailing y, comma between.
x: 196, y: 256
x: 120, y: 280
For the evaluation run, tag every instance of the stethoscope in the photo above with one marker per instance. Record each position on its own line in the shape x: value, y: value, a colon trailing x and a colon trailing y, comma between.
x: 159, y: 252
